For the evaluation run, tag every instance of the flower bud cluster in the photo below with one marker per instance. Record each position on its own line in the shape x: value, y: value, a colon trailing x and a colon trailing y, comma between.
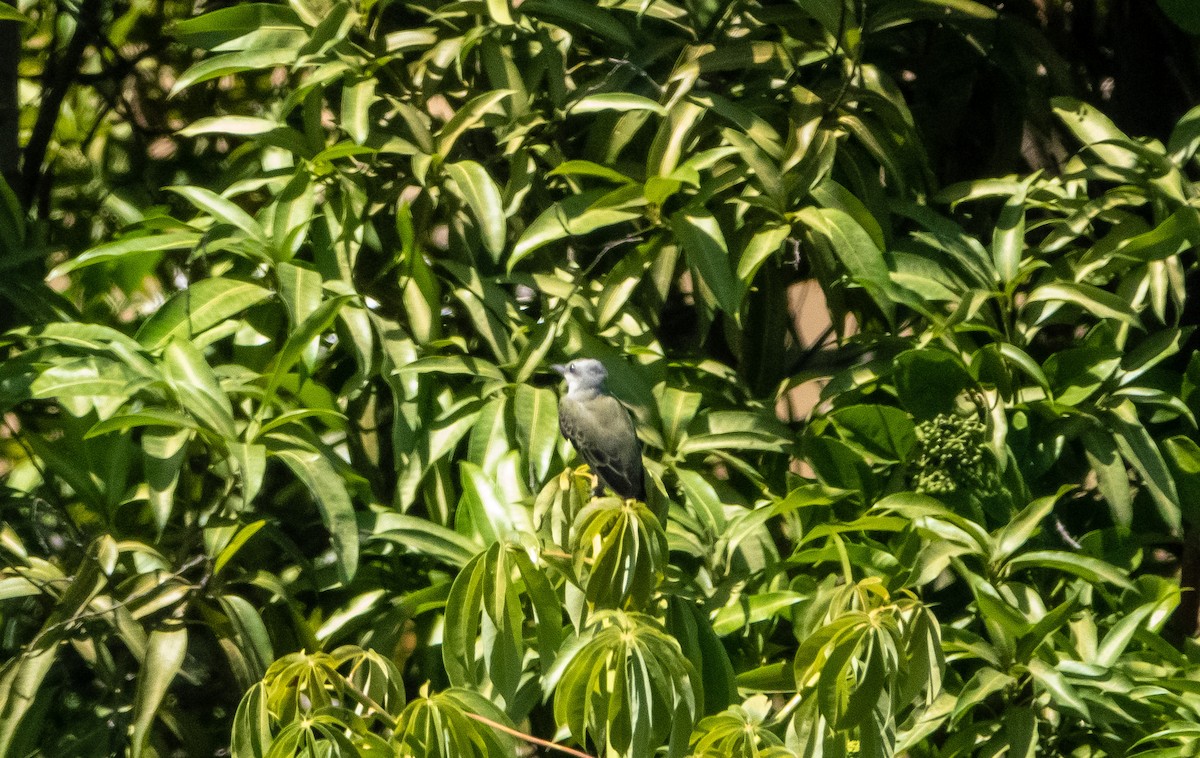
x: 950, y: 455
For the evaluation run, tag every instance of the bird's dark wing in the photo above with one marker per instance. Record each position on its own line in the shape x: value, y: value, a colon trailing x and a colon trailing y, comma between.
x: 603, y: 433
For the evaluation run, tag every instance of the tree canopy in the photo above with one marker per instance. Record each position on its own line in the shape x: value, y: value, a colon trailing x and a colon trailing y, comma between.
x: 280, y: 458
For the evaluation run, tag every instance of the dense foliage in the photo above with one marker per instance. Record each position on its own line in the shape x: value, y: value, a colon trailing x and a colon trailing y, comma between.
x: 283, y: 471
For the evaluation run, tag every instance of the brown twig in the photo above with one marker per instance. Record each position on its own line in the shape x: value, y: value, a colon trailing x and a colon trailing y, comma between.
x: 60, y: 75
x: 10, y: 109
x: 528, y: 737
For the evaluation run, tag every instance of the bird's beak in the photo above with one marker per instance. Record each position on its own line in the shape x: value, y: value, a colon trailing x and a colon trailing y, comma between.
x: 560, y: 368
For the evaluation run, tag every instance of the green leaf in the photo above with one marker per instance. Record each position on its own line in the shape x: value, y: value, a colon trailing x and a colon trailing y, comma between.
x: 1021, y: 527
x: 201, y: 306
x: 245, y: 635
x: 125, y: 247
x: 147, y: 417
x: 1061, y: 692
x: 86, y: 377
x: 1138, y: 447
x: 311, y: 328
x: 701, y: 237
x: 421, y: 536
x: 252, y: 724
x: 468, y: 117
x: 1185, y: 137
x: 588, y: 168
x: 1076, y: 373
x: 944, y: 11
x: 1112, y: 477
x: 165, y: 651
x: 978, y: 688
x: 773, y: 677
x: 1156, y: 348
x: 581, y: 14
x: 357, y: 99
x: 22, y: 676
x: 1023, y: 361
x: 765, y: 169
x: 482, y: 196
x: 614, y: 101
x: 752, y: 609
x: 196, y: 386
x: 626, y: 276
x: 1093, y: 128
x: 329, y: 491
x: 1087, y: 568
x: 702, y: 500
x: 463, y: 365
x: 483, y: 511
x: 250, y: 462
x: 241, y: 126
x: 240, y: 538
x: 211, y: 30
x: 13, y: 227
x: 883, y: 431
x: 491, y: 435
x: 1183, y: 13
x: 629, y: 686
x: 856, y: 251
x: 765, y: 243
x: 20, y: 682
x: 300, y: 289
x: 1177, y: 233
x: 1008, y: 239
x: 838, y: 465
x: 577, y: 215
x: 1121, y: 634
x: 233, y: 63
x: 500, y: 12
x: 222, y: 210
x: 929, y: 381
x: 1183, y: 456
x: 1092, y: 300
x: 677, y: 409
x: 537, y: 427
x: 8, y: 13
x: 163, y: 454
x: 462, y: 621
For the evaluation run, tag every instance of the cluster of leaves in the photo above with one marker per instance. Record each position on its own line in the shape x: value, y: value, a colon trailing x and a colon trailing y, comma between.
x: 337, y: 433
x: 1063, y: 335
x: 88, y: 141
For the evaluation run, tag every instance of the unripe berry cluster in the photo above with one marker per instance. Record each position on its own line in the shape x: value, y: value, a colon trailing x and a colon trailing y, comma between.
x: 949, y: 455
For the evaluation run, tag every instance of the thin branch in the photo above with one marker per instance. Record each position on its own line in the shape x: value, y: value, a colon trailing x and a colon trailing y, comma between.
x: 856, y: 57
x: 1064, y: 535
x: 786, y: 711
x: 10, y: 110
x: 61, y: 73
x: 528, y: 737
x: 363, y: 698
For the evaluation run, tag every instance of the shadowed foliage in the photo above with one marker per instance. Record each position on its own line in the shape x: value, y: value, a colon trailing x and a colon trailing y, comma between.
x: 282, y: 467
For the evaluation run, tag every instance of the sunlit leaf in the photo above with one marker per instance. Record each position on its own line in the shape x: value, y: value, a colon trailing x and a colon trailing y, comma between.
x: 201, y: 306
x: 482, y: 196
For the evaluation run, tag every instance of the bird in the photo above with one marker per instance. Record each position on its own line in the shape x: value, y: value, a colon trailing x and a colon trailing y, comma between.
x: 600, y: 429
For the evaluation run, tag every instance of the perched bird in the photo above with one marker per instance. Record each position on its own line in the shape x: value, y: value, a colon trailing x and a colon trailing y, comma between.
x: 600, y: 429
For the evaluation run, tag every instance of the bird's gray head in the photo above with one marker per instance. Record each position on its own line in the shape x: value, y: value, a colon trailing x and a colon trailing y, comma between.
x: 583, y: 375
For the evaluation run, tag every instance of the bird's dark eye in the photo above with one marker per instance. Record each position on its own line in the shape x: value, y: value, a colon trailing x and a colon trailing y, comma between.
x: 571, y: 368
